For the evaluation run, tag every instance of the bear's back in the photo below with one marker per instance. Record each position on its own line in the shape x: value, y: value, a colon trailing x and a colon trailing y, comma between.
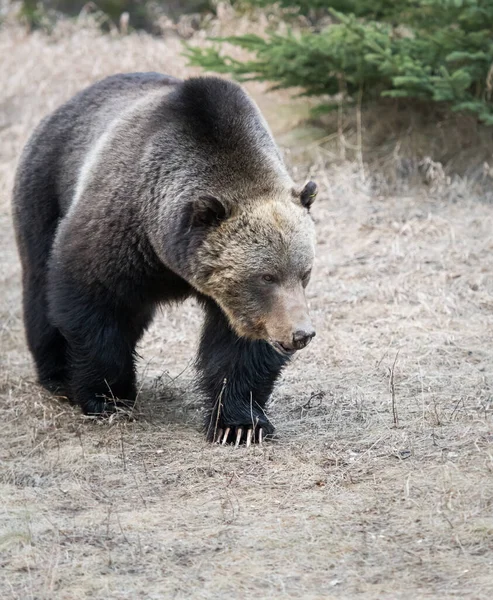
x: 99, y: 152
x: 60, y: 145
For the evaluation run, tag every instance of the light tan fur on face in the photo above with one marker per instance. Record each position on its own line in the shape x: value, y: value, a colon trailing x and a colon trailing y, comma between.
x: 289, y: 314
x: 274, y: 236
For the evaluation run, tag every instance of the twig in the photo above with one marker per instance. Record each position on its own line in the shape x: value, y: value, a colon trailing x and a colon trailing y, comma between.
x: 110, y: 508
x: 456, y: 407
x: 314, y: 396
x: 219, y: 404
x: 254, y: 422
x: 124, y: 460
x: 359, y: 132
x: 340, y: 129
x: 384, y: 354
x: 392, y: 392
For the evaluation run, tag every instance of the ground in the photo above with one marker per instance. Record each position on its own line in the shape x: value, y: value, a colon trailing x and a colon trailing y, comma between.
x: 380, y: 481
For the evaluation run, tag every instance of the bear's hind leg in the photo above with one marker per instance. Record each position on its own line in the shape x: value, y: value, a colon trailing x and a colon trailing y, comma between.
x: 103, y: 379
x: 101, y: 339
x: 45, y: 341
x: 236, y: 378
x: 36, y: 217
x: 102, y: 369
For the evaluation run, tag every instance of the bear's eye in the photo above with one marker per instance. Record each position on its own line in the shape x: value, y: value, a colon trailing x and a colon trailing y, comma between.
x: 268, y: 278
x: 306, y: 276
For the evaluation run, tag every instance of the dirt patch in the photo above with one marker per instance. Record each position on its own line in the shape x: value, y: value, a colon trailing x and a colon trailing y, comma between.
x: 361, y: 494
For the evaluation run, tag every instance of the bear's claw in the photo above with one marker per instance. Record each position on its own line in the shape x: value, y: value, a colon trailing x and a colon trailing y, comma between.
x: 223, y: 435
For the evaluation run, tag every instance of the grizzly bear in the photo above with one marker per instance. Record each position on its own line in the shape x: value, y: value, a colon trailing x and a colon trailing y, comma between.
x: 144, y: 189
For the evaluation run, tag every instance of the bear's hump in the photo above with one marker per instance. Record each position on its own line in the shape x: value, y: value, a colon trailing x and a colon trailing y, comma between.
x: 218, y: 112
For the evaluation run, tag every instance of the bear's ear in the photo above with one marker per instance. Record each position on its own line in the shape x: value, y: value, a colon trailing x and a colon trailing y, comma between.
x: 308, y: 194
x: 208, y: 211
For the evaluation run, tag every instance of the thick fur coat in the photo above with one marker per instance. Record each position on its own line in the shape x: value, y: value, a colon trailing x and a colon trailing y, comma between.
x: 145, y: 189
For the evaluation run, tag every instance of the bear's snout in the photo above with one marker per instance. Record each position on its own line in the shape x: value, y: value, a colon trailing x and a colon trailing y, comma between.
x: 289, y: 327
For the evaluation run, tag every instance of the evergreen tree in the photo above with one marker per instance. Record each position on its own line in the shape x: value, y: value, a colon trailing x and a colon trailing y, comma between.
x: 435, y: 50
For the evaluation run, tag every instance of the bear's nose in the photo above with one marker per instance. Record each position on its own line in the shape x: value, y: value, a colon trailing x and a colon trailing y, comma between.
x: 303, y: 337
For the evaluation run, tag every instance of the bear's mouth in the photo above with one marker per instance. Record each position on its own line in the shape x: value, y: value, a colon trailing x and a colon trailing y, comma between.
x: 281, y: 348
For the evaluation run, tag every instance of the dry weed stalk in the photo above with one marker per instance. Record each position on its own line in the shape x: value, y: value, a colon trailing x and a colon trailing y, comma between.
x: 359, y: 134
x: 219, y: 406
x: 392, y: 391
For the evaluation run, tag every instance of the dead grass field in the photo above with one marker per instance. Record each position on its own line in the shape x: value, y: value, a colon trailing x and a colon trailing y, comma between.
x: 350, y: 500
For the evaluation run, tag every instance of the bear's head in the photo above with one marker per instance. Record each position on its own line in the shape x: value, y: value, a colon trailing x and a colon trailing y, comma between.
x: 255, y: 261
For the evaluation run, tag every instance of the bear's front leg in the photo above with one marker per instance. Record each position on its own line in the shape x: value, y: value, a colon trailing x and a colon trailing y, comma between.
x: 236, y: 378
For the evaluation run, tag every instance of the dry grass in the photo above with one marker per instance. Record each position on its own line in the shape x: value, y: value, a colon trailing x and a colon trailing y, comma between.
x: 398, y: 135
x: 344, y: 503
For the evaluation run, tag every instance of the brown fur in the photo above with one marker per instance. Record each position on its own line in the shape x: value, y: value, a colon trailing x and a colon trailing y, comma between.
x: 143, y: 190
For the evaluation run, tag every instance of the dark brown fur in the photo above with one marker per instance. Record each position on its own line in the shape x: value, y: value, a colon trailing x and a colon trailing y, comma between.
x: 144, y: 189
